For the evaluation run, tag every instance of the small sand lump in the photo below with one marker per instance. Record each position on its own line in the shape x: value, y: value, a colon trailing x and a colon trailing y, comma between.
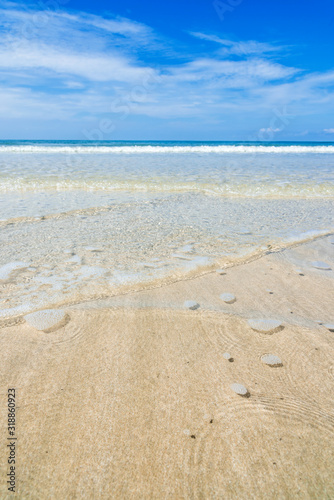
x: 321, y: 265
x: 229, y: 298
x: 239, y: 389
x: 191, y: 304
x: 220, y: 271
x: 264, y: 325
x: 271, y: 360
x: 48, y: 320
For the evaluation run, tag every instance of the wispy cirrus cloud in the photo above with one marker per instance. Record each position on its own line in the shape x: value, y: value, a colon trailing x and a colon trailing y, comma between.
x: 240, y: 48
x: 92, y: 66
x: 82, y: 45
x: 64, y: 27
x: 236, y: 73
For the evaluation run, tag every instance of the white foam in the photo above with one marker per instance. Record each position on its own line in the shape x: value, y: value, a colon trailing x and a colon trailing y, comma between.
x: 123, y: 278
x: 15, y: 311
x: 91, y: 271
x: 229, y: 188
x: 93, y: 249
x: 218, y: 149
x: 7, y: 269
x: 150, y: 265
x: 197, y: 262
x: 56, y: 282
x: 75, y: 259
x: 181, y: 257
x: 186, y: 249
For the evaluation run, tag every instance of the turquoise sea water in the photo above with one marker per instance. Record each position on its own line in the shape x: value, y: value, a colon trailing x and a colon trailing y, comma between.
x: 87, y: 218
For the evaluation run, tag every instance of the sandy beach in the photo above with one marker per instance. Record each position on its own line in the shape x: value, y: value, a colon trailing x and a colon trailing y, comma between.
x: 132, y: 397
x: 166, y: 250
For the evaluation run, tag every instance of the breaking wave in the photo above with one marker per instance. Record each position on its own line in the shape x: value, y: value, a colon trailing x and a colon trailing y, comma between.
x: 149, y: 149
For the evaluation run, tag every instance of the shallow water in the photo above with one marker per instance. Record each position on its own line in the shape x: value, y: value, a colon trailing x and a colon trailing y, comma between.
x: 257, y: 171
x: 90, y: 219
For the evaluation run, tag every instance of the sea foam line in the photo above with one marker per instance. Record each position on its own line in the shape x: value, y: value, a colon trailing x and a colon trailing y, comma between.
x: 242, y: 190
x: 223, y: 149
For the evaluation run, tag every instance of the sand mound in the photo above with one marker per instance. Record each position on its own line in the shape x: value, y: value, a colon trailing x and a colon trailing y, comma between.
x: 239, y: 389
x: 321, y: 265
x: 191, y: 304
x: 271, y: 360
x: 264, y: 325
x: 48, y: 320
x: 229, y: 298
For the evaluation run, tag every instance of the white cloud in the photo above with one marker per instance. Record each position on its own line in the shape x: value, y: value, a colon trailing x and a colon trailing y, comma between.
x: 93, y: 66
x: 118, y: 26
x: 48, y: 24
x: 231, y: 73
x: 329, y: 130
x: 250, y: 47
x: 61, y: 45
x: 75, y: 66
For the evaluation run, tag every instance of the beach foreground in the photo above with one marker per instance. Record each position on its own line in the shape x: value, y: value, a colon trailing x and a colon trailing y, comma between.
x: 132, y: 397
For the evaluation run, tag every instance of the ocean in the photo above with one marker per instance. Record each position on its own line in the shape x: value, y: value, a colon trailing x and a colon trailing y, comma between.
x: 82, y: 220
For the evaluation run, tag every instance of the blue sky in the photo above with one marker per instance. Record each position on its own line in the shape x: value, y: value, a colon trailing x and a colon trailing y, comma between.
x: 176, y: 70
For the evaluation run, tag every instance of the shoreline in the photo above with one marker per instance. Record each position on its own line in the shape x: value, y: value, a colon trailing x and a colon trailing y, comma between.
x: 132, y: 397
x: 226, y: 263
x: 290, y: 266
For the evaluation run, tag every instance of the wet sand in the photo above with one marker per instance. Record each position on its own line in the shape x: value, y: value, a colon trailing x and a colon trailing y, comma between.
x: 132, y: 397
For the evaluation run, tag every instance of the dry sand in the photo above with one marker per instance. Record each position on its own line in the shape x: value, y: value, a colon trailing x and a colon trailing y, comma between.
x: 131, y: 399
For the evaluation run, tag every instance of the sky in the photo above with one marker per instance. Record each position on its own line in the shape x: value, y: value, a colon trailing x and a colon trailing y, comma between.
x: 259, y: 70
